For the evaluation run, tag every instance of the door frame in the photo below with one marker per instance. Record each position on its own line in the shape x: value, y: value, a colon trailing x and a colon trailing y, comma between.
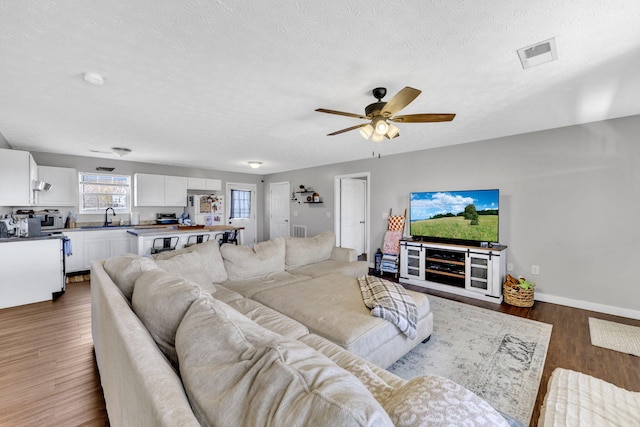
x: 254, y: 195
x: 366, y: 177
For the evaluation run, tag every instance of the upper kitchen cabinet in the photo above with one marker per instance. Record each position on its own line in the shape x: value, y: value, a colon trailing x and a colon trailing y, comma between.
x: 159, y: 190
x: 206, y: 184
x: 18, y: 171
x: 64, y: 186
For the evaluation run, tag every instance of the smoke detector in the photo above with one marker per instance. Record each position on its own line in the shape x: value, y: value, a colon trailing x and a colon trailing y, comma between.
x: 538, y: 53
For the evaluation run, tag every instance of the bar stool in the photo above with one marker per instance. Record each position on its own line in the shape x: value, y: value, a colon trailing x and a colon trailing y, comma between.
x: 228, y: 237
x: 163, y: 244
x: 197, y: 238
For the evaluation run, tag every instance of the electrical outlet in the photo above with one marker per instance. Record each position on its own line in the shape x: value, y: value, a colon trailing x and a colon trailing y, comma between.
x: 509, y: 266
x: 295, y: 213
x: 535, y: 269
x: 328, y: 214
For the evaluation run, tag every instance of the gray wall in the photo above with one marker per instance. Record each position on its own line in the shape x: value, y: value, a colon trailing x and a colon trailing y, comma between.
x: 3, y: 142
x: 567, y: 202
x: 89, y: 164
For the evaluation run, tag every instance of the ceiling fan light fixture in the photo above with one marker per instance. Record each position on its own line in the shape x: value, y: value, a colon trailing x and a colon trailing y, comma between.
x: 381, y: 127
x: 377, y: 138
x: 393, y: 131
x: 366, y: 131
x: 255, y: 165
x: 120, y: 151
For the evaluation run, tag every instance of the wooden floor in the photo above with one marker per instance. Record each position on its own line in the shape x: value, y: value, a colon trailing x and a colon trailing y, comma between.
x: 48, y: 375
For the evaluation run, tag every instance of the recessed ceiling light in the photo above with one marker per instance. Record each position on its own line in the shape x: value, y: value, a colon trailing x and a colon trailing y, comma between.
x: 93, y: 78
x: 538, y: 53
x: 255, y: 165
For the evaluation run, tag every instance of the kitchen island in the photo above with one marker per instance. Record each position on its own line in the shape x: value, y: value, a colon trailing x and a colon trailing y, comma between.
x: 142, y: 240
x: 33, y: 269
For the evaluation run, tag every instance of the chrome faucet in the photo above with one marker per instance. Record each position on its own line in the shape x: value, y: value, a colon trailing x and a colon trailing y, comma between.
x: 106, y: 217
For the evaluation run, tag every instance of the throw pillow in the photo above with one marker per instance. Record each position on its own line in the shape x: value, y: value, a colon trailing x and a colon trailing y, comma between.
x: 238, y: 373
x: 187, y: 265
x: 436, y: 401
x: 309, y: 250
x: 125, y: 269
x: 243, y: 262
x: 160, y: 301
x: 211, y: 257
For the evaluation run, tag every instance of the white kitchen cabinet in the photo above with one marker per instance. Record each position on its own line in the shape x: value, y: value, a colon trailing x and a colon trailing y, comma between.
x: 206, y: 184
x: 159, y: 190
x: 175, y: 191
x: 95, y: 244
x: 17, y: 172
x: 64, y: 186
x: 75, y: 261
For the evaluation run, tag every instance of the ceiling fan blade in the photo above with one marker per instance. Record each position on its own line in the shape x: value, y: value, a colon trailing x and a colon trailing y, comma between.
x: 400, y: 100
x: 423, y: 118
x: 340, y: 113
x: 338, y: 132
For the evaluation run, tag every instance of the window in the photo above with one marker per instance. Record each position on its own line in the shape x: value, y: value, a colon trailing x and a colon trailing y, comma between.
x: 101, y: 191
x: 240, y: 206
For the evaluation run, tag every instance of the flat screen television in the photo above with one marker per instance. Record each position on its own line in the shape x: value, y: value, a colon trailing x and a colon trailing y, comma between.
x: 466, y: 217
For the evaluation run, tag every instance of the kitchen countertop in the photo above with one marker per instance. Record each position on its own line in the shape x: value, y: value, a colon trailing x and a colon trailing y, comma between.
x: 174, y: 230
x: 29, y: 239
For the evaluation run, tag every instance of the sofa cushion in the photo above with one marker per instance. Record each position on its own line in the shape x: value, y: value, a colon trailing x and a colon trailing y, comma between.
x: 234, y: 372
x: 269, y: 318
x: 211, y: 257
x: 337, y: 312
x: 160, y: 300
x: 243, y: 262
x: 248, y: 287
x: 353, y: 269
x: 125, y: 269
x: 308, y: 250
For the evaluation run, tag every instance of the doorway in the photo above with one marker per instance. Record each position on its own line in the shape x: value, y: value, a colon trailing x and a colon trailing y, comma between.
x: 241, y: 210
x: 279, y: 209
x: 352, y: 211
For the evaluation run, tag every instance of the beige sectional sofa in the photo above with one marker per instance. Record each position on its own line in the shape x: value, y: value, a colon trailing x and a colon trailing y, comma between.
x: 240, y: 336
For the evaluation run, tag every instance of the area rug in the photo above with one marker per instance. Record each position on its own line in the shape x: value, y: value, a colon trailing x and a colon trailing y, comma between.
x: 498, y: 356
x: 615, y: 336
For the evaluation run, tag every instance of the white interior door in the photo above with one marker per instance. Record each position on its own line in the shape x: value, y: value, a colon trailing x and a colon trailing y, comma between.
x: 241, y: 210
x: 279, y: 204
x: 353, y: 214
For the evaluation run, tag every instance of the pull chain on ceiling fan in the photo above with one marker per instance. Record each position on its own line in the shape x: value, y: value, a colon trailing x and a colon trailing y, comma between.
x: 380, y: 114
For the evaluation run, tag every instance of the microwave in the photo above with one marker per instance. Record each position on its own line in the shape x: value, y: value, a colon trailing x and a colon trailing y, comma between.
x: 50, y: 222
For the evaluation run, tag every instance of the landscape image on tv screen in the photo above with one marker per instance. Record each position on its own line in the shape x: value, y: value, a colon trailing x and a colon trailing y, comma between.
x: 470, y: 215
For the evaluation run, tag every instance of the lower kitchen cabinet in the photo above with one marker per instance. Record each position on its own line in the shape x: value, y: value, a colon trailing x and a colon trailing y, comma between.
x: 88, y: 246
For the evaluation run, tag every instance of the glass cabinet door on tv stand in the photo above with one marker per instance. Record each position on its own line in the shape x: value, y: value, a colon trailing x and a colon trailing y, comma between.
x: 412, y: 262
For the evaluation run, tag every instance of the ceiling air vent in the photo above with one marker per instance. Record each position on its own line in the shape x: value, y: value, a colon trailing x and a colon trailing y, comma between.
x: 539, y: 53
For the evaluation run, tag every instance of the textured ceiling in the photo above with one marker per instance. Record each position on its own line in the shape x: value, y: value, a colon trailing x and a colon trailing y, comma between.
x: 215, y: 84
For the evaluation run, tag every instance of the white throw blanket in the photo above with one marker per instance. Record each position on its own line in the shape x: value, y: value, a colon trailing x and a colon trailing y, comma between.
x: 390, y: 301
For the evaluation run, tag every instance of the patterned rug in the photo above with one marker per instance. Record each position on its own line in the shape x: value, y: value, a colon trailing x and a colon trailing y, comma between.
x: 615, y: 336
x: 498, y: 356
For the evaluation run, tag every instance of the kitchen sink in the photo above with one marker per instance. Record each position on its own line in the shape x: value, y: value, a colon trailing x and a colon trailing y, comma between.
x: 105, y: 226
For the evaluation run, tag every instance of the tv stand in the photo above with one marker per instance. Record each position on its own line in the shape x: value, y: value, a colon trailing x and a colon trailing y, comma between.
x: 460, y: 269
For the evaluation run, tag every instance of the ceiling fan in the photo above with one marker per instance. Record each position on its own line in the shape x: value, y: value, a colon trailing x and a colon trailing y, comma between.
x: 381, y: 113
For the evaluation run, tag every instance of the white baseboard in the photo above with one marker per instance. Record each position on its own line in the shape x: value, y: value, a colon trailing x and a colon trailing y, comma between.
x: 586, y: 305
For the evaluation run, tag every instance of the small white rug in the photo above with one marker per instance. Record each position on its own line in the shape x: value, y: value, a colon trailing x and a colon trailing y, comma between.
x: 615, y: 336
x: 499, y: 357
